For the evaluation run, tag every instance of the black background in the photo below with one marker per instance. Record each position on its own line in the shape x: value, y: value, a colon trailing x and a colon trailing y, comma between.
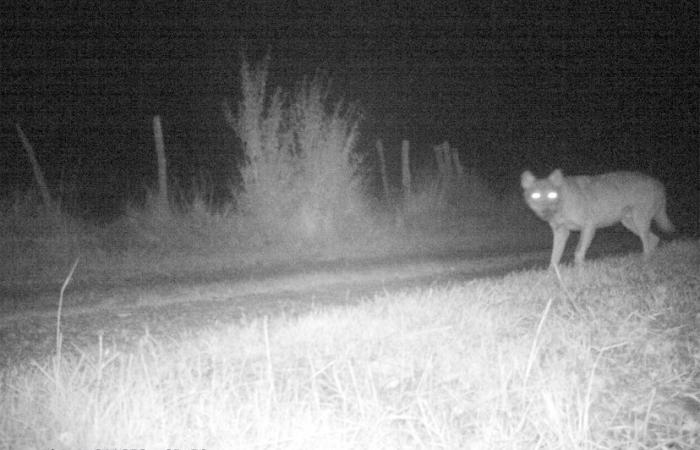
x: 585, y: 86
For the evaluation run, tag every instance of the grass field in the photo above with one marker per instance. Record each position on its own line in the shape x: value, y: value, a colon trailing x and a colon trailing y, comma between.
x: 607, y: 359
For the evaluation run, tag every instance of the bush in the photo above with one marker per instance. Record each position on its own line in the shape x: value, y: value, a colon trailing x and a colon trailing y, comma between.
x: 301, y: 176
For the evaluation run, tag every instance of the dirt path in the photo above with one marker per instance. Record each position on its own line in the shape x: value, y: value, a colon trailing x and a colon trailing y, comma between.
x: 122, y: 314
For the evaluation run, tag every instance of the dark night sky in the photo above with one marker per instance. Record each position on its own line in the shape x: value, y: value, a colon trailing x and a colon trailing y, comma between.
x: 586, y: 86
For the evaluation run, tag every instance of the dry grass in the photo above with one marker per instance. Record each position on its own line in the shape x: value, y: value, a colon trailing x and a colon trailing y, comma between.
x: 511, y: 362
x: 35, y: 240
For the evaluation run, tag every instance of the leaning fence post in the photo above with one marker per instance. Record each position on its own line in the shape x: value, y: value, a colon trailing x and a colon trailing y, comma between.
x: 38, y: 174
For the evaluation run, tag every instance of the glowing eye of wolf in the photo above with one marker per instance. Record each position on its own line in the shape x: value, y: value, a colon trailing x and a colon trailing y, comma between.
x: 552, y: 195
x: 535, y: 195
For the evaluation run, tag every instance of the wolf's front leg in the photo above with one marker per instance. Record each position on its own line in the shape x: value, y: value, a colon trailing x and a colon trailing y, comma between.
x: 584, y: 242
x: 561, y: 234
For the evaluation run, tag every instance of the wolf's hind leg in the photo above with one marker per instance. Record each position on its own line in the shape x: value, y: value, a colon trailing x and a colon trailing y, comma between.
x: 629, y: 222
x: 639, y: 223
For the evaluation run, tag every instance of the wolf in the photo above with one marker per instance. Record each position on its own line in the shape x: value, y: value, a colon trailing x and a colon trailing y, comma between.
x: 586, y: 203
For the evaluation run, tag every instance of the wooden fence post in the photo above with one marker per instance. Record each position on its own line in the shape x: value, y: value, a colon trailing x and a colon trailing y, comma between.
x: 382, y: 169
x: 162, y: 201
x: 405, y: 169
x: 456, y: 163
x: 38, y: 174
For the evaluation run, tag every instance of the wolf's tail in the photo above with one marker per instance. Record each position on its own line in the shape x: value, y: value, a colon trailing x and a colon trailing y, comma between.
x: 662, y: 220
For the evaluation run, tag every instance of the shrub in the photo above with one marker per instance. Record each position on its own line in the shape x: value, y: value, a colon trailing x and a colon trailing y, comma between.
x: 301, y: 176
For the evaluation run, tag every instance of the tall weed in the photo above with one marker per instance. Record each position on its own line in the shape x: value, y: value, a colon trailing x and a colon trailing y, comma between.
x: 301, y: 176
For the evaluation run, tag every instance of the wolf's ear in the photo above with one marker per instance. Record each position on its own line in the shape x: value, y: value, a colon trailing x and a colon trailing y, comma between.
x: 527, y: 179
x: 556, y: 178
